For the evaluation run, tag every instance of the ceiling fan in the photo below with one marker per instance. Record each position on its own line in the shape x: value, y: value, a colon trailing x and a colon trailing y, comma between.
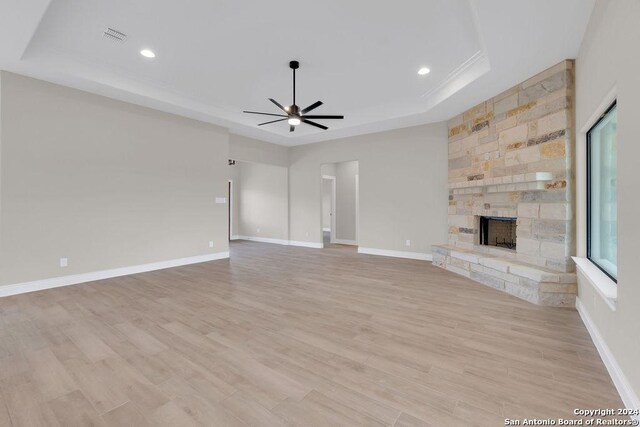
x: 293, y: 114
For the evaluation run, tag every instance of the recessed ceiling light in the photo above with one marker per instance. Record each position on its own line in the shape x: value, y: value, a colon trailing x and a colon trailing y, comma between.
x: 293, y: 121
x: 147, y: 53
x: 423, y: 71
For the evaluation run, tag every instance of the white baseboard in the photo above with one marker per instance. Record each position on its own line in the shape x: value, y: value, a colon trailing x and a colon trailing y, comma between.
x: 306, y: 244
x: 264, y: 240
x: 281, y: 242
x: 56, y: 282
x: 627, y: 394
x: 396, y: 254
x: 326, y: 229
x: 345, y: 242
x: 234, y: 237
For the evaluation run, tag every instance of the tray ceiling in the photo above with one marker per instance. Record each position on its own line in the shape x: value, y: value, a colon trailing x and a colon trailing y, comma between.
x: 360, y: 58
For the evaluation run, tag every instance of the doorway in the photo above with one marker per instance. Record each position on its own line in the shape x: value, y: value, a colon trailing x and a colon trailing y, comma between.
x: 339, y: 204
x: 328, y: 209
x: 230, y: 210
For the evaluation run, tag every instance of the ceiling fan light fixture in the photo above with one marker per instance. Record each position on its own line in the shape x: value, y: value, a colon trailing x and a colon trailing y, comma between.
x: 294, y: 121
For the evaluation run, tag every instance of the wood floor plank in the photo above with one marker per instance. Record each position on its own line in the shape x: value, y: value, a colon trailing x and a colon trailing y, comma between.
x: 406, y: 420
x: 150, y: 366
x: 74, y: 410
x: 126, y: 415
x: 97, y: 384
x: 133, y: 384
x: 284, y: 335
x: 196, y: 404
x: 13, y: 364
x: 5, y: 418
x: 25, y: 404
x: 475, y: 415
x: 251, y: 412
x: 138, y: 337
x: 93, y: 347
x: 50, y: 376
x: 171, y: 414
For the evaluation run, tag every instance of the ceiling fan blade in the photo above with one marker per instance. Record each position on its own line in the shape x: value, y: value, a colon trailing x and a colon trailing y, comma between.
x: 292, y: 128
x: 276, y: 102
x: 323, y: 117
x: 272, y: 121
x: 318, y: 125
x: 311, y: 107
x: 265, y: 114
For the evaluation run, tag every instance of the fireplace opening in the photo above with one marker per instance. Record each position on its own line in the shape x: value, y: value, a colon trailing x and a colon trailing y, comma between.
x: 497, y: 231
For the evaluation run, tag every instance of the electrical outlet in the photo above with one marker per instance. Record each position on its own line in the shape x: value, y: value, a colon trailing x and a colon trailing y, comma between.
x: 258, y: 230
x: 64, y: 262
x: 407, y: 242
x: 210, y: 243
x: 306, y: 234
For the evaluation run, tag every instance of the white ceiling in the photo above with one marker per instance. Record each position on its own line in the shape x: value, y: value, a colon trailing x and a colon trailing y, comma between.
x: 217, y: 58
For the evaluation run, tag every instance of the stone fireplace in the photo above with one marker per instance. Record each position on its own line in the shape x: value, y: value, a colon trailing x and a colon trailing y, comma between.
x: 511, y: 222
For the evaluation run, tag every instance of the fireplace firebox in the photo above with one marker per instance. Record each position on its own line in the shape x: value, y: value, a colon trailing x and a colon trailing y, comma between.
x: 497, y: 231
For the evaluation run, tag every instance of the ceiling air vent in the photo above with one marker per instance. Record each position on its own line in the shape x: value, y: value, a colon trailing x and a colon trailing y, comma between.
x: 114, y: 35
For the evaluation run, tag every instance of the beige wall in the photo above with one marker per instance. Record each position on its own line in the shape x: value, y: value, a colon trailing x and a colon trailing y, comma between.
x: 403, y: 187
x: 263, y: 201
x: 108, y: 184
x: 253, y: 150
x: 328, y: 169
x: 103, y: 183
x: 607, y: 61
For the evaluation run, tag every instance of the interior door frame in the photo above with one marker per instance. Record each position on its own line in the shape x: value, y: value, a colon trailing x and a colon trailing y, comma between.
x: 357, y: 183
x: 230, y: 210
x: 332, y: 210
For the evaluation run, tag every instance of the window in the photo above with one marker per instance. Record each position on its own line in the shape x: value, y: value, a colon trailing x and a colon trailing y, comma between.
x: 602, y: 196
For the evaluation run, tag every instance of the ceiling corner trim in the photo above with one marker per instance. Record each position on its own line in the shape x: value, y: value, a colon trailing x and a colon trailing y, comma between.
x: 473, y: 5
x: 473, y: 68
x: 37, y: 18
x: 19, y: 22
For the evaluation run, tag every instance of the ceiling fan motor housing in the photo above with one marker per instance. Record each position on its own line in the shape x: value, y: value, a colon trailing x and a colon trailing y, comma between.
x: 293, y: 110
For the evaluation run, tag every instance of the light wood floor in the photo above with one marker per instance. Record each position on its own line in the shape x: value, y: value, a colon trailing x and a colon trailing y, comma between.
x: 285, y: 335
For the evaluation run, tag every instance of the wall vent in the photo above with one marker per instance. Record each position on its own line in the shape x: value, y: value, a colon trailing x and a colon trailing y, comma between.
x: 114, y: 35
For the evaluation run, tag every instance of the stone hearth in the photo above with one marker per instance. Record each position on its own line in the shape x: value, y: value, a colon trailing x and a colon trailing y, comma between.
x: 511, y: 157
x: 493, y: 268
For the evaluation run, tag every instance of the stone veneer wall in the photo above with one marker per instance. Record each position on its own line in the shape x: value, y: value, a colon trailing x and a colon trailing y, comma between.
x: 501, y: 144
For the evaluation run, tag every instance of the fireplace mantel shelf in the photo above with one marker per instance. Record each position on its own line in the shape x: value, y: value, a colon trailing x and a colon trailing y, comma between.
x: 534, y: 181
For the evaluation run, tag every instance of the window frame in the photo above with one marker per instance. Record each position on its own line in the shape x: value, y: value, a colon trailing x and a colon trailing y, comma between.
x: 588, y: 231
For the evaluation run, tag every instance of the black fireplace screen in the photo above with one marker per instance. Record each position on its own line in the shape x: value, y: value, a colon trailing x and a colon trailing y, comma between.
x: 498, y: 231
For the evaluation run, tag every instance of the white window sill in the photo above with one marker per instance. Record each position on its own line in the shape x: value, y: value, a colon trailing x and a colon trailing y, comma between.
x: 602, y: 283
